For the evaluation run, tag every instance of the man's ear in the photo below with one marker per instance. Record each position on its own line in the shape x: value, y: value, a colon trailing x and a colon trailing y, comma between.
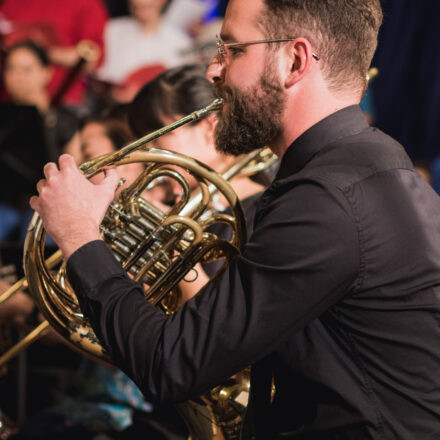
x: 299, y: 58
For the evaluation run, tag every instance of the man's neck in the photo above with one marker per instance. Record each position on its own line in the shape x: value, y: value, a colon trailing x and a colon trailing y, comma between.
x: 298, y: 119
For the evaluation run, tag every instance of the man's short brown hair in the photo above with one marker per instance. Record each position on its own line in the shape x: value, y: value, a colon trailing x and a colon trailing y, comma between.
x: 342, y: 32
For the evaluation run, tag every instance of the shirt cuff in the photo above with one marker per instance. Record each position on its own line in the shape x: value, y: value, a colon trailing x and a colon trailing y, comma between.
x: 90, y: 265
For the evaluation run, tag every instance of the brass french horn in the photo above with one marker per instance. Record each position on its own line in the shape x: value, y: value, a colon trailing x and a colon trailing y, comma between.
x: 158, y: 249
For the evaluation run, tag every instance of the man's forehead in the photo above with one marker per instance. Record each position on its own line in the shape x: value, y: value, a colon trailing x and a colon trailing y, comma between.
x: 241, y: 20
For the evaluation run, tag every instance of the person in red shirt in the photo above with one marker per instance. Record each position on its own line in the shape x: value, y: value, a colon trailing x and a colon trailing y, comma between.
x: 59, y: 27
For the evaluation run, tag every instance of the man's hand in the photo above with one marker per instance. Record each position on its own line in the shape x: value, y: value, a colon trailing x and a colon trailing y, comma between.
x: 72, y: 207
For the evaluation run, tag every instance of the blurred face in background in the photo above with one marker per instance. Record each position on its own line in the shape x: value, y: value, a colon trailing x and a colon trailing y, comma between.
x: 25, y: 77
x: 146, y: 11
x: 96, y: 142
x: 194, y: 140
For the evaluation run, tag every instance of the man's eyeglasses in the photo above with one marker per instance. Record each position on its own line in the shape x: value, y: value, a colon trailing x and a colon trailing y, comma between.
x: 222, y: 46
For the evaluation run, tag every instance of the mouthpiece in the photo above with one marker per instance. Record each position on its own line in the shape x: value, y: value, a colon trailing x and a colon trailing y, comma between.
x: 217, y: 104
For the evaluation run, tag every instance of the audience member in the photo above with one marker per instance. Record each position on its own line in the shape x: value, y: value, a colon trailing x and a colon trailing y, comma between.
x: 66, y: 25
x: 140, y: 40
x: 103, y: 134
x: 27, y: 74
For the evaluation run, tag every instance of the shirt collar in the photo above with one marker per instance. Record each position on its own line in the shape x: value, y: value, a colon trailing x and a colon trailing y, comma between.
x: 346, y: 122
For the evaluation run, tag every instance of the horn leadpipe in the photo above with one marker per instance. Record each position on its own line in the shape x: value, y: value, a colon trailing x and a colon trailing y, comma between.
x: 93, y: 166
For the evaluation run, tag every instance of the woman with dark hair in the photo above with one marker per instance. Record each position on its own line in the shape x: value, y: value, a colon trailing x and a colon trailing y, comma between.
x: 32, y: 131
x: 105, y: 133
x: 140, y: 40
x: 27, y: 74
x: 177, y: 91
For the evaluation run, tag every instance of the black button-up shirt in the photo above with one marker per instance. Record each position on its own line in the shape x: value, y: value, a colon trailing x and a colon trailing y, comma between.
x: 339, y: 286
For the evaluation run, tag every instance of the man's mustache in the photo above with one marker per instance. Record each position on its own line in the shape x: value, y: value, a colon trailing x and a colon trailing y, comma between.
x: 223, y: 92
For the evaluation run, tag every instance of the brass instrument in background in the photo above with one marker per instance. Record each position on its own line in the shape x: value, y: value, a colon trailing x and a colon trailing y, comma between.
x: 158, y: 248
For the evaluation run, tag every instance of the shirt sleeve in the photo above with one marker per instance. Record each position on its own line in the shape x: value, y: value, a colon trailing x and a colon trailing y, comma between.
x: 302, y: 257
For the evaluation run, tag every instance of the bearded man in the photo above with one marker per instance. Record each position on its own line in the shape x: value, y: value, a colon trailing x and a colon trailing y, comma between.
x: 337, y: 293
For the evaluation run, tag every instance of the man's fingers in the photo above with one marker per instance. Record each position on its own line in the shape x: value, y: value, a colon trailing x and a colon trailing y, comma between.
x: 33, y: 201
x: 67, y: 161
x: 40, y: 185
x: 50, y: 169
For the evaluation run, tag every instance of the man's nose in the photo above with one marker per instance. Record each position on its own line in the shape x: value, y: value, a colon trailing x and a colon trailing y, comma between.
x: 215, y: 71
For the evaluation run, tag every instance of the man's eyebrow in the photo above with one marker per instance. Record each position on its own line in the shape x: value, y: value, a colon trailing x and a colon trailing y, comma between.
x: 227, y: 37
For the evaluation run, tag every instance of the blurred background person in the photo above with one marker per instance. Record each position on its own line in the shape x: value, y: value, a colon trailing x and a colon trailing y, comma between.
x: 32, y: 132
x: 63, y: 29
x: 27, y: 75
x: 141, y: 40
x: 103, y: 134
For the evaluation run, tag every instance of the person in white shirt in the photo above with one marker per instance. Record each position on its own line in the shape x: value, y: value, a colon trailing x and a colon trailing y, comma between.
x: 140, y: 40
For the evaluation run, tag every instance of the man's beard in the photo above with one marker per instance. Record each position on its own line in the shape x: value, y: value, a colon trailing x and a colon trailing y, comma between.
x: 253, y: 117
